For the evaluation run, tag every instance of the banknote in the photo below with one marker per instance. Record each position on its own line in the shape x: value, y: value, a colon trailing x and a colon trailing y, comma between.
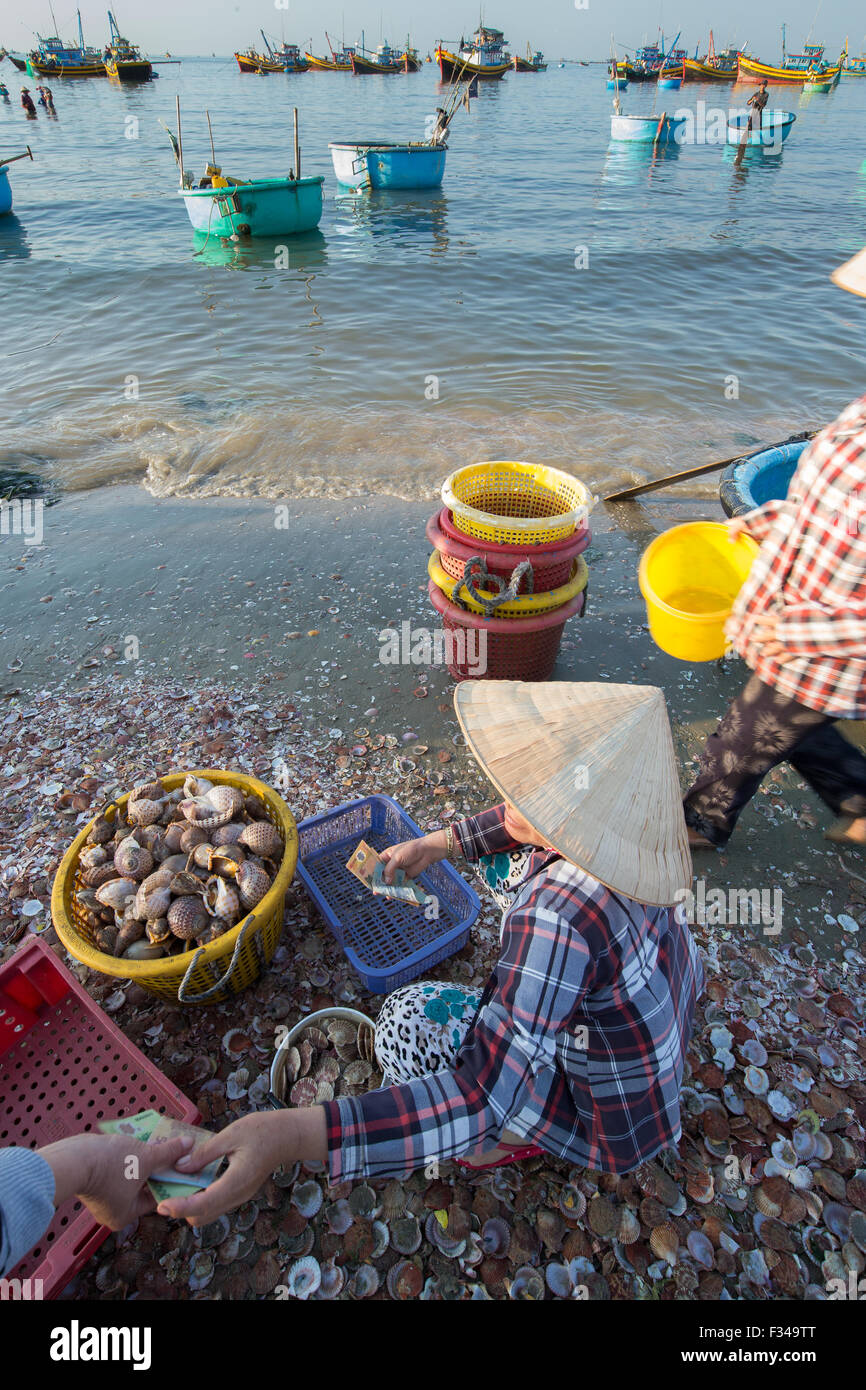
x: 368, y: 867
x: 166, y: 1182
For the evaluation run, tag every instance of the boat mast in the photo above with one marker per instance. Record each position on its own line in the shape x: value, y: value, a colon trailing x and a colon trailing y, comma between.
x: 53, y: 20
x: 784, y: 60
x: 80, y: 32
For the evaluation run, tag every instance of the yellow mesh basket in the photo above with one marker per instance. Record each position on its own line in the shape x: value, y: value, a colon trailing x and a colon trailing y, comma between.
x: 209, y: 974
x: 525, y: 605
x: 516, y: 503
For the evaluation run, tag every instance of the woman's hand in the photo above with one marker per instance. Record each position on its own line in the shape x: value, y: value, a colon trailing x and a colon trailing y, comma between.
x: 255, y: 1146
x: 414, y: 856
x: 109, y: 1172
x: 764, y: 634
x: 737, y: 527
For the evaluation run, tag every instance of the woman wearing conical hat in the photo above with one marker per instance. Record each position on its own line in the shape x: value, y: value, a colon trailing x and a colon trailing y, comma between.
x: 576, y: 1045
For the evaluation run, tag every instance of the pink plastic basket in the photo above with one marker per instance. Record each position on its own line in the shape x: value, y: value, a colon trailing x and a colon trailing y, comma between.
x: 63, y: 1067
x: 551, y: 563
x: 516, y: 651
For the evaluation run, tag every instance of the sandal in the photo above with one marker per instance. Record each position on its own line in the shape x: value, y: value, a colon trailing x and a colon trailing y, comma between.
x: 516, y: 1156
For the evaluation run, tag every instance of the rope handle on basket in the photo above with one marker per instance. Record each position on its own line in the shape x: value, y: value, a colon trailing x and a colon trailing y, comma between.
x: 183, y: 998
x: 475, y: 572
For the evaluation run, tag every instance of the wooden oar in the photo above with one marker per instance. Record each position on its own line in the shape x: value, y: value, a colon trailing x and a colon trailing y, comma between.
x: 741, y: 151
x: 28, y: 154
x: 687, y: 473
x: 659, y: 127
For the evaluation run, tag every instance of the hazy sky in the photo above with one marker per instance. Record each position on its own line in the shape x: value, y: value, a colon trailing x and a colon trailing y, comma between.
x: 557, y: 26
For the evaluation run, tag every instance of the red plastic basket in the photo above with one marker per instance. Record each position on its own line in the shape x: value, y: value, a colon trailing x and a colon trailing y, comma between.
x: 516, y: 651
x: 63, y: 1067
x: 551, y: 564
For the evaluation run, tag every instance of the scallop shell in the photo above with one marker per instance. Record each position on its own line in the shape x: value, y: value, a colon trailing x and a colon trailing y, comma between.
x: 304, y: 1278
x: 308, y: 1198
x: 340, y: 1031
x: 187, y: 917
x: 559, y: 1280
x: 766, y: 1204
x: 700, y: 1247
x: 405, y: 1235
x: 293, y: 1064
x: 327, y: 1069
x: 665, y: 1243
x: 572, y: 1203
x: 324, y: 1091
x: 262, y: 838
x: 603, y: 1216
x: 364, y: 1282
x: 527, y: 1285
x: 305, y: 1052
x: 495, y: 1237
x: 304, y: 1092
x: 755, y: 1079
x: 316, y: 1038
x: 404, y: 1281
x: 332, y: 1280
x: 367, y: 1043
x: 356, y: 1073
x: 629, y: 1227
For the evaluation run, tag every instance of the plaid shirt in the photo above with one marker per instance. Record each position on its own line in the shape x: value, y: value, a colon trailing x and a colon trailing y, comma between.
x: 578, y: 1044
x: 811, y: 570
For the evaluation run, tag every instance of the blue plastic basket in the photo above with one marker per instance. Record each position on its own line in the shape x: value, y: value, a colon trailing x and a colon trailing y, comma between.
x: 388, y: 943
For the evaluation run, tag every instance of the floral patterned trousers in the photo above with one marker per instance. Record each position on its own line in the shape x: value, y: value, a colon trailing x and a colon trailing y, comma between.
x: 761, y: 729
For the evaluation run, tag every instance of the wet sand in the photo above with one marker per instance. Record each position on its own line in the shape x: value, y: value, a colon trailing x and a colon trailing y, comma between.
x: 132, y: 589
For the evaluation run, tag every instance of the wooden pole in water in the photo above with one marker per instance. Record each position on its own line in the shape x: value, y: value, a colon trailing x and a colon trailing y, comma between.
x: 297, y: 146
x: 210, y: 133
x: 179, y: 138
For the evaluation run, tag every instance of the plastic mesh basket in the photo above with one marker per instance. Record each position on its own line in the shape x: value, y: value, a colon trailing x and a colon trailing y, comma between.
x: 513, y: 503
x: 518, y: 610
x: 551, y: 564
x: 524, y: 651
x: 63, y: 1067
x: 388, y: 943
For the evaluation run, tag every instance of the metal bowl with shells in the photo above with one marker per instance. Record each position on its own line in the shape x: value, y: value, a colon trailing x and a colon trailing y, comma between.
x: 190, y: 867
x: 329, y: 1053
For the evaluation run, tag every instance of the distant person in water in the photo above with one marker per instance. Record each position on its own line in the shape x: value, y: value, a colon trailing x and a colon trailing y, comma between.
x: 49, y: 100
x: 27, y: 103
x: 758, y: 100
x: 799, y: 622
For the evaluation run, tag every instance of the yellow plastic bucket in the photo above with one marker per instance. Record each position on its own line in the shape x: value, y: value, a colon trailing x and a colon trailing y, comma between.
x: 689, y: 577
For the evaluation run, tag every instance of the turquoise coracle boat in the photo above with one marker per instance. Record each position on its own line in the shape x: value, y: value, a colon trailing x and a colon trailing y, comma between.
x: 647, y: 130
x: 260, y: 208
x: 776, y: 126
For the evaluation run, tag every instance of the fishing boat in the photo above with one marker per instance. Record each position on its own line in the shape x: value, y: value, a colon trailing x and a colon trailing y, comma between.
x: 796, y: 69
x: 286, y: 55
x: 366, y: 164
x: 776, y: 126
x: 713, y: 67
x: 761, y: 477
x: 485, y: 56
x: 339, y: 61
x: 533, y: 62
x: 222, y: 206
x: 54, y: 58
x: 5, y: 187
x: 251, y: 61
x: 647, y: 130
x: 818, y: 84
x: 19, y: 63
x: 123, y: 60
x: 384, y: 61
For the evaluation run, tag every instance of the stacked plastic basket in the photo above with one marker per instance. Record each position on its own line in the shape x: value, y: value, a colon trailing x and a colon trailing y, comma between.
x: 507, y: 569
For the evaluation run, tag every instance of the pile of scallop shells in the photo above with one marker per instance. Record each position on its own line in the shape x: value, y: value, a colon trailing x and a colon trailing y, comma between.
x: 174, y: 869
x: 335, y: 1060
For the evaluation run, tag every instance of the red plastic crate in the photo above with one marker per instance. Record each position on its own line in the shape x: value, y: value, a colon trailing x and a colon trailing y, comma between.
x: 63, y: 1067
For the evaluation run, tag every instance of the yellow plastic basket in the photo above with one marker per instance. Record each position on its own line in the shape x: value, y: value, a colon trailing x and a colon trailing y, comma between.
x: 516, y: 503
x: 210, y: 974
x: 525, y: 605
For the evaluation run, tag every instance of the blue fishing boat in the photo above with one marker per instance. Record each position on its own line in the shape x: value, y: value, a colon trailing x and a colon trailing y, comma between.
x: 775, y: 128
x: 647, y: 130
x: 754, y: 479
x: 363, y: 164
x: 5, y: 186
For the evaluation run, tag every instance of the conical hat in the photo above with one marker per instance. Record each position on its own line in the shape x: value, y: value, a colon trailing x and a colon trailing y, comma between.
x: 591, y: 767
x: 852, y: 275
